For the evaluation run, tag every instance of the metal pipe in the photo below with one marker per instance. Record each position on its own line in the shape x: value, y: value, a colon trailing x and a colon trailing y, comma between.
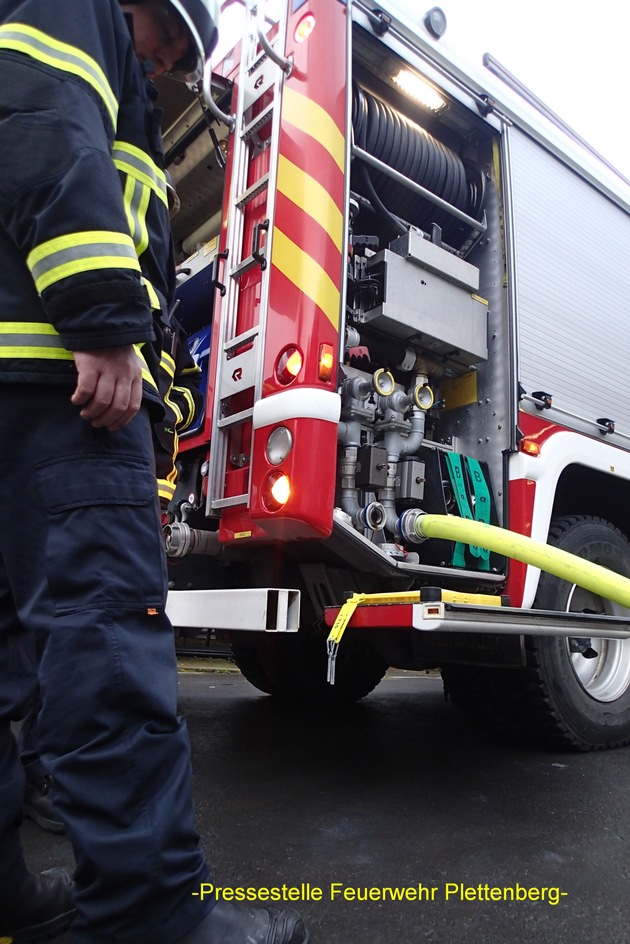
x: 213, y: 108
x: 480, y: 227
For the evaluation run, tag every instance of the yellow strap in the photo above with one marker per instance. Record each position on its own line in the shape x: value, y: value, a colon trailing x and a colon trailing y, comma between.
x: 346, y: 612
x: 344, y: 616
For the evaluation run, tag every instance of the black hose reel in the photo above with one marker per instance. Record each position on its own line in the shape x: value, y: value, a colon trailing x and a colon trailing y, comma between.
x: 408, y: 148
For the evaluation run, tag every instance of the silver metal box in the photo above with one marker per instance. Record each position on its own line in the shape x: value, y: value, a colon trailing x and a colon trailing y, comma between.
x: 435, y: 308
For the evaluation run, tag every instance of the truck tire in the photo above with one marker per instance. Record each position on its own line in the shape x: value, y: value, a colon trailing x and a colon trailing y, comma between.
x: 294, y: 668
x: 562, y: 697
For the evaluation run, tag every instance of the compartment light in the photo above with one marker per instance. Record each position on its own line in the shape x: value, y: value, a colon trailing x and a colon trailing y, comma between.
x: 417, y: 88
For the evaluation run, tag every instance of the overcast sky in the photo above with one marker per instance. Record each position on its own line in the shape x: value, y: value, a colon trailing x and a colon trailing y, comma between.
x: 573, y: 54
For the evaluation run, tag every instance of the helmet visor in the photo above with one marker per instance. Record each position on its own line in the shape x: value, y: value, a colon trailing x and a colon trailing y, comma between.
x: 200, y: 18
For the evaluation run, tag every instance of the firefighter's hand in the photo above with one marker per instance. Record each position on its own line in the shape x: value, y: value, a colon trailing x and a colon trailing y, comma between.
x: 109, y: 386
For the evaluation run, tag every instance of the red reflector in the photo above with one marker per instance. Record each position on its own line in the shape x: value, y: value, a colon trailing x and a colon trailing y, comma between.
x: 304, y: 28
x: 289, y: 364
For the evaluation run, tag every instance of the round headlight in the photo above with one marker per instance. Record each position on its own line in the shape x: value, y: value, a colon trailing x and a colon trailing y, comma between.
x: 279, y: 445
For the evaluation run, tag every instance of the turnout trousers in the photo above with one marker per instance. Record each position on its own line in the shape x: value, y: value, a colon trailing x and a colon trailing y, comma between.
x: 82, y: 592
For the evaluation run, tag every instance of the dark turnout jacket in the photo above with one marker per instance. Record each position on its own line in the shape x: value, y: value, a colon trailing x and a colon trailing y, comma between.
x: 85, y: 247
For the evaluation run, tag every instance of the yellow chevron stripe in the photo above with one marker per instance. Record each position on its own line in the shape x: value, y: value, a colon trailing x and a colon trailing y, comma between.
x: 311, y: 197
x: 311, y: 118
x: 307, y: 275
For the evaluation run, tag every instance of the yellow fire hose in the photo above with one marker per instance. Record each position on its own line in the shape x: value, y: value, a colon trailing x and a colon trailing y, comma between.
x: 606, y: 583
x: 569, y: 567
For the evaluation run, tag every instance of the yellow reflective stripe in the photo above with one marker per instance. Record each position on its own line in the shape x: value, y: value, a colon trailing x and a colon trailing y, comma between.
x: 19, y: 339
x: 143, y: 205
x: 37, y: 353
x: 34, y: 339
x: 67, y: 255
x: 45, y: 48
x: 134, y: 162
x: 167, y: 364
x: 166, y: 489
x: 193, y: 369
x: 310, y: 196
x: 311, y: 118
x: 146, y: 373
x: 190, y: 403
x: 306, y: 274
x: 130, y: 186
x: 179, y: 419
x: 154, y: 301
x: 136, y: 197
x: 27, y: 327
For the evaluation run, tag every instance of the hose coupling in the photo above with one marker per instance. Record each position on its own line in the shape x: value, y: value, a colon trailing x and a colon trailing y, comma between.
x: 410, y: 524
x: 372, y: 516
x: 180, y: 539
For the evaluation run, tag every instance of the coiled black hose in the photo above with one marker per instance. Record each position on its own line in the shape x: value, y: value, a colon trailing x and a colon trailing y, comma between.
x: 412, y: 151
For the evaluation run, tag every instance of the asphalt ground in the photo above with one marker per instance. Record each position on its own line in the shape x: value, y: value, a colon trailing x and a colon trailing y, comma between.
x: 398, y: 822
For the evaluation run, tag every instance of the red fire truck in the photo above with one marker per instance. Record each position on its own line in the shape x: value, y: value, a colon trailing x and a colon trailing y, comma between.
x: 407, y: 286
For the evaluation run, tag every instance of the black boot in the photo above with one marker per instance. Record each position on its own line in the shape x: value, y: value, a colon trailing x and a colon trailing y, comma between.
x: 239, y: 924
x: 41, y: 908
x: 38, y: 805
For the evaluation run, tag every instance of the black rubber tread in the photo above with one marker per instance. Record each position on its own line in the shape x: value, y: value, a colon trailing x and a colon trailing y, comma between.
x: 294, y: 668
x: 533, y: 704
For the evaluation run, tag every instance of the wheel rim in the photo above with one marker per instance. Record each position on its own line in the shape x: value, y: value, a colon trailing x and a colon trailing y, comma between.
x: 606, y: 677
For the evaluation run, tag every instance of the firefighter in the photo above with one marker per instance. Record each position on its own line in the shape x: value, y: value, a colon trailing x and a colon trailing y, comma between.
x: 179, y: 380
x: 178, y: 383
x: 84, y: 256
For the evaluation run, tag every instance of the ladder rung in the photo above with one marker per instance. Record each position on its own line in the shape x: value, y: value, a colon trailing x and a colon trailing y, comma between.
x: 241, y: 339
x: 252, y: 191
x: 258, y: 122
x: 232, y: 500
x: 256, y: 63
x: 236, y: 418
x: 244, y: 266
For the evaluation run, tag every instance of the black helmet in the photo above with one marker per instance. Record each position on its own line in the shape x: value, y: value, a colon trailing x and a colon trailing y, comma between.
x: 201, y: 18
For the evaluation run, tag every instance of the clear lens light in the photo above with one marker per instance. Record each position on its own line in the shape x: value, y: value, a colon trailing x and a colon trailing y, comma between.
x: 416, y: 88
x: 279, y: 445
